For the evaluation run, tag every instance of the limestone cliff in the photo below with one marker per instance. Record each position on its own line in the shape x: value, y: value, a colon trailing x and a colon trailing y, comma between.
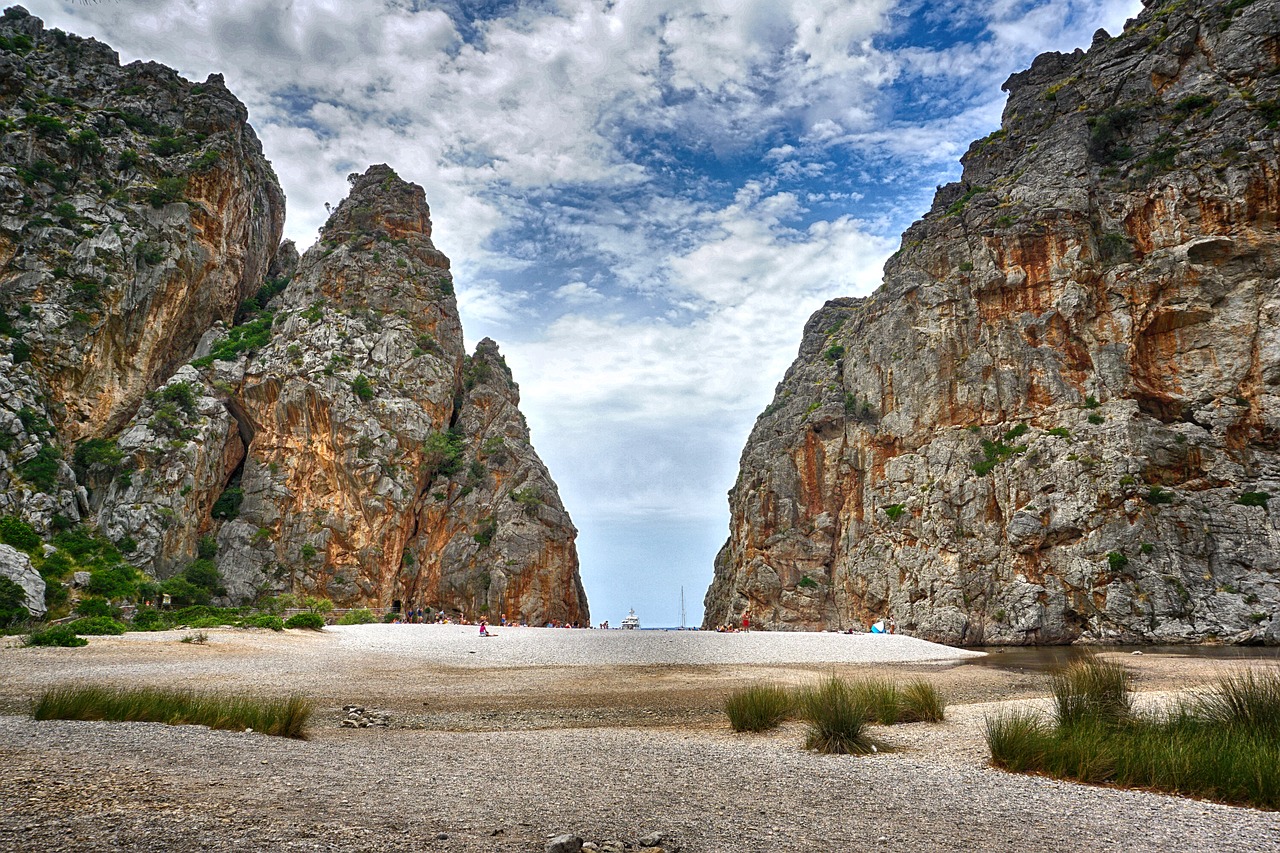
x: 338, y: 441
x: 1058, y: 419
x: 173, y: 374
x: 136, y: 209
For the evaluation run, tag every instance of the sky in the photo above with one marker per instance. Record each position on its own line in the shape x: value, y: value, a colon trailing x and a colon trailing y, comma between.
x: 643, y: 200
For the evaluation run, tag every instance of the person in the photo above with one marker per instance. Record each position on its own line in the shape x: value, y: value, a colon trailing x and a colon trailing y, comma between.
x: 893, y: 625
x: 746, y: 621
x: 484, y: 629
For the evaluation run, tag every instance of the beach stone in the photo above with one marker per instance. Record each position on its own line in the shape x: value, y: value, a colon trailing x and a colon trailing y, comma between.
x: 565, y: 844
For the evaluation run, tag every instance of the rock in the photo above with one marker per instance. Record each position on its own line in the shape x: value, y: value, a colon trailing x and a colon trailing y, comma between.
x: 1272, y: 635
x: 313, y: 420
x: 16, y: 566
x: 564, y: 844
x: 653, y: 839
x: 80, y: 580
x: 1055, y: 421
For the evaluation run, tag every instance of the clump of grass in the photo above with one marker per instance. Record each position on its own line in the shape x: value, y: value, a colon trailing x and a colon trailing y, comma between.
x: 1243, y: 701
x: 199, y: 638
x: 881, y: 699
x: 759, y: 708
x: 1223, y: 745
x: 889, y: 704
x: 837, y: 715
x: 286, y: 717
x: 921, y: 703
x: 1091, y: 690
x: 1018, y: 741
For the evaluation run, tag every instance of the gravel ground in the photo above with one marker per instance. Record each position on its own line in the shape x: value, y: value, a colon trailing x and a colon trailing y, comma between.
x: 494, y: 753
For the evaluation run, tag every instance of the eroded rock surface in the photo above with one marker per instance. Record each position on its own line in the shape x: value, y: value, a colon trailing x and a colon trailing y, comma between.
x: 1057, y: 420
x: 340, y: 443
x: 136, y: 209
x: 172, y: 373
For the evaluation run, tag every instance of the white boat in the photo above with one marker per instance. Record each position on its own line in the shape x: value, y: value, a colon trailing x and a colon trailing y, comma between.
x: 632, y: 622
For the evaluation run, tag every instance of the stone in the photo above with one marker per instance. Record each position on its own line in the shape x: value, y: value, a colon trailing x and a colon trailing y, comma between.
x: 1055, y: 420
x: 16, y: 566
x: 564, y: 844
x: 80, y: 580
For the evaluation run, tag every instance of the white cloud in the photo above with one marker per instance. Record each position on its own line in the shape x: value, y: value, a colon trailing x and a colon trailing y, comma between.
x: 578, y: 293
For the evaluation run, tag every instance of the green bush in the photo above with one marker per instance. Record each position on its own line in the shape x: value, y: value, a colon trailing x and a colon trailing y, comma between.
x: 167, y: 191
x: 286, y: 717
x: 359, y: 616
x: 263, y: 620
x: 758, y: 708
x: 148, y: 619
x: 97, y: 625
x: 227, y: 506
x: 1254, y: 499
x: 98, y: 452
x: 312, y: 621
x: 362, y: 387
x: 204, y: 574
x: 13, y: 603
x: 41, y: 470
x: 118, y: 580
x: 56, y: 635
x: 894, y: 511
x: 183, y: 593
x: 19, y: 534
x: 96, y: 607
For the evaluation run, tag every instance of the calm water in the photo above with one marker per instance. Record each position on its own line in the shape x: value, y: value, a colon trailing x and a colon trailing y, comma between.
x: 1045, y: 658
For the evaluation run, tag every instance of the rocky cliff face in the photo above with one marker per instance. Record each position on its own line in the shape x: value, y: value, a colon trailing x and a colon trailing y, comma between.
x: 339, y: 442
x: 1058, y: 419
x: 174, y: 375
x: 136, y: 209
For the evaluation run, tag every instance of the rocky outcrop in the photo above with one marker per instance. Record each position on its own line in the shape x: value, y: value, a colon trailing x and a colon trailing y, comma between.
x: 339, y: 442
x: 136, y: 209
x: 1057, y: 420
x: 16, y: 566
x: 172, y: 373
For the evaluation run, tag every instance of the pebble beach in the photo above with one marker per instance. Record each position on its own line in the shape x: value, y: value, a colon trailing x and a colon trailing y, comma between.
x: 502, y: 744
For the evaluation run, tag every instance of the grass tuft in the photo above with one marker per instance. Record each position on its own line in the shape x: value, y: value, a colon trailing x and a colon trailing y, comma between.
x: 758, y: 708
x: 1223, y: 745
x: 921, y: 703
x: 1091, y: 690
x: 1018, y: 741
x: 282, y: 717
x: 837, y: 715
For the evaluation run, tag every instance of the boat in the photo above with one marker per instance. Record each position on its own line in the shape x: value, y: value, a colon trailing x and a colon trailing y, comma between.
x: 632, y: 622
